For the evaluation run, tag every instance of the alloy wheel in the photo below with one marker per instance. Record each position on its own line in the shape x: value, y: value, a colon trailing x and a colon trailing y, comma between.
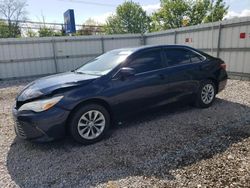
x: 207, y: 93
x: 91, y: 124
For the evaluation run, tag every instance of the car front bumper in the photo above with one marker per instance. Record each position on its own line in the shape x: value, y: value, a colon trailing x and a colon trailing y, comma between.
x: 40, y: 127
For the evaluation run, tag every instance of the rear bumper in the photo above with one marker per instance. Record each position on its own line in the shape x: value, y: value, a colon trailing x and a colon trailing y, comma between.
x: 40, y: 127
x: 222, y: 85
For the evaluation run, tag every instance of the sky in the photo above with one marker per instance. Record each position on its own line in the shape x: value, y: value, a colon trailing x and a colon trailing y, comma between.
x: 52, y: 10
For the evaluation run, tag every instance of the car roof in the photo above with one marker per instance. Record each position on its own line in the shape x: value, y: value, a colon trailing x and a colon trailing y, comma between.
x: 134, y: 49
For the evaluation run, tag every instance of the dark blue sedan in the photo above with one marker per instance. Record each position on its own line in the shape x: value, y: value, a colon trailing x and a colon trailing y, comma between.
x: 86, y: 101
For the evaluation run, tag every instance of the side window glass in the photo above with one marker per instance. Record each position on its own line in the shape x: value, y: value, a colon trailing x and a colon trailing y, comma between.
x: 196, y: 58
x: 177, y: 57
x: 181, y: 56
x: 146, y: 61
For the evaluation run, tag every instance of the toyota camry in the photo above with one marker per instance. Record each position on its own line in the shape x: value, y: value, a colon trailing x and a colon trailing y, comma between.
x: 85, y: 102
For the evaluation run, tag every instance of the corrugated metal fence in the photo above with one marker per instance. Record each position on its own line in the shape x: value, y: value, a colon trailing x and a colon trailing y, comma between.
x: 229, y: 40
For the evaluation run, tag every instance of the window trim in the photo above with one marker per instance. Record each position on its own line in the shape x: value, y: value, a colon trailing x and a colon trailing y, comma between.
x: 141, y: 73
x: 163, y: 59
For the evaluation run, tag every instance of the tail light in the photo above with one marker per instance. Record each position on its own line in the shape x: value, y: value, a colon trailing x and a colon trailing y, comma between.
x: 223, y: 66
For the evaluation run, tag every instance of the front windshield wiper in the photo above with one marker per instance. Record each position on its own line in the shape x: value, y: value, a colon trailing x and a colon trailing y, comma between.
x: 94, y: 74
x: 78, y: 72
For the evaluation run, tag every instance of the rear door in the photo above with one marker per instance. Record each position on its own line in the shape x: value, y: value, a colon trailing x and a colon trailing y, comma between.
x: 182, y: 73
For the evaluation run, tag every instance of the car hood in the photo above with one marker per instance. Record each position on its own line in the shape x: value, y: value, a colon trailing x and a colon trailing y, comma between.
x: 49, y: 84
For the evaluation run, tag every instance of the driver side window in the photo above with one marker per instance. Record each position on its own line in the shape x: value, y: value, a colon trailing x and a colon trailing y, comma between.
x: 146, y: 61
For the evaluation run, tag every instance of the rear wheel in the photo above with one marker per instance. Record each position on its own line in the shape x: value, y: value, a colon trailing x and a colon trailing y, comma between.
x: 89, y: 124
x: 206, y: 94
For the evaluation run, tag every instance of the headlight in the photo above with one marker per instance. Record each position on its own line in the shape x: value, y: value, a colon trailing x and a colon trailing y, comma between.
x: 40, y: 105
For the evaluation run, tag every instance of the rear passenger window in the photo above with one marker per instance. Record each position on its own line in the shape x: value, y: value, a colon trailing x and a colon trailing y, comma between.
x: 181, y: 56
x: 196, y: 58
x: 147, y: 61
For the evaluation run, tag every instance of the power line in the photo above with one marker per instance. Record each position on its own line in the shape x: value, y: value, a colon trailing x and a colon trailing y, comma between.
x: 90, y: 3
x: 25, y: 25
x: 46, y: 23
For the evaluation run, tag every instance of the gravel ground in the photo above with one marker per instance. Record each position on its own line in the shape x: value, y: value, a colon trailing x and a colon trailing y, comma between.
x: 175, y: 146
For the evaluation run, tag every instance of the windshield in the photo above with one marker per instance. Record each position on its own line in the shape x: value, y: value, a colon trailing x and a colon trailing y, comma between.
x: 104, y: 63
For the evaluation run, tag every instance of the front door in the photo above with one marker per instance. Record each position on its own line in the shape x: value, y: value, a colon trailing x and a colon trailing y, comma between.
x: 145, y: 88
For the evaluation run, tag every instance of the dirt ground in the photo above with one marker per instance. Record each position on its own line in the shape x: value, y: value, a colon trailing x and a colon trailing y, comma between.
x: 174, y: 146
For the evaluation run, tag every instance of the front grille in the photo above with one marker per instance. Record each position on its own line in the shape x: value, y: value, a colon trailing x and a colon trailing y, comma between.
x: 20, y: 130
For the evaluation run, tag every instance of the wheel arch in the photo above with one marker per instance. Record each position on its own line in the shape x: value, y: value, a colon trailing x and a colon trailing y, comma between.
x: 97, y: 101
x: 216, y: 83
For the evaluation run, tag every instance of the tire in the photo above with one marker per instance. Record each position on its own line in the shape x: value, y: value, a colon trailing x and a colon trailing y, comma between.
x: 84, y: 128
x: 206, y: 94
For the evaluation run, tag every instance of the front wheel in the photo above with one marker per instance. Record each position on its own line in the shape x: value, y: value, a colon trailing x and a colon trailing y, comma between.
x: 206, y: 94
x: 89, y: 124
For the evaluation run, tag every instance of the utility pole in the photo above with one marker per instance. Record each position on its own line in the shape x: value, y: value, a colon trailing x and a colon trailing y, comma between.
x: 212, y: 2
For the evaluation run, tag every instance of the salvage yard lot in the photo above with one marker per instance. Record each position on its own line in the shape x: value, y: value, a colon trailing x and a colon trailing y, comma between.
x: 175, y: 146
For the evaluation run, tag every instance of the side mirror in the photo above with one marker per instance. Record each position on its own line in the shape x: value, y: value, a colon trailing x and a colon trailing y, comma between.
x: 126, y: 72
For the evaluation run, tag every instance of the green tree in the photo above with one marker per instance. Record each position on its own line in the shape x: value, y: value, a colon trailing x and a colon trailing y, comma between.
x: 178, y: 13
x: 31, y: 33
x: 9, y: 30
x: 198, y: 11
x: 45, y: 32
x: 129, y: 18
x: 48, y: 32
x: 4, y: 30
x: 171, y: 15
x: 13, y: 11
x: 90, y: 27
x: 217, y: 11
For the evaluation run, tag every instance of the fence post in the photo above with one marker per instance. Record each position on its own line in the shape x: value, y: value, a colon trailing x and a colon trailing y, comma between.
x: 175, y: 37
x: 143, y: 39
x: 218, y: 44
x: 55, y: 54
x: 102, y: 43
